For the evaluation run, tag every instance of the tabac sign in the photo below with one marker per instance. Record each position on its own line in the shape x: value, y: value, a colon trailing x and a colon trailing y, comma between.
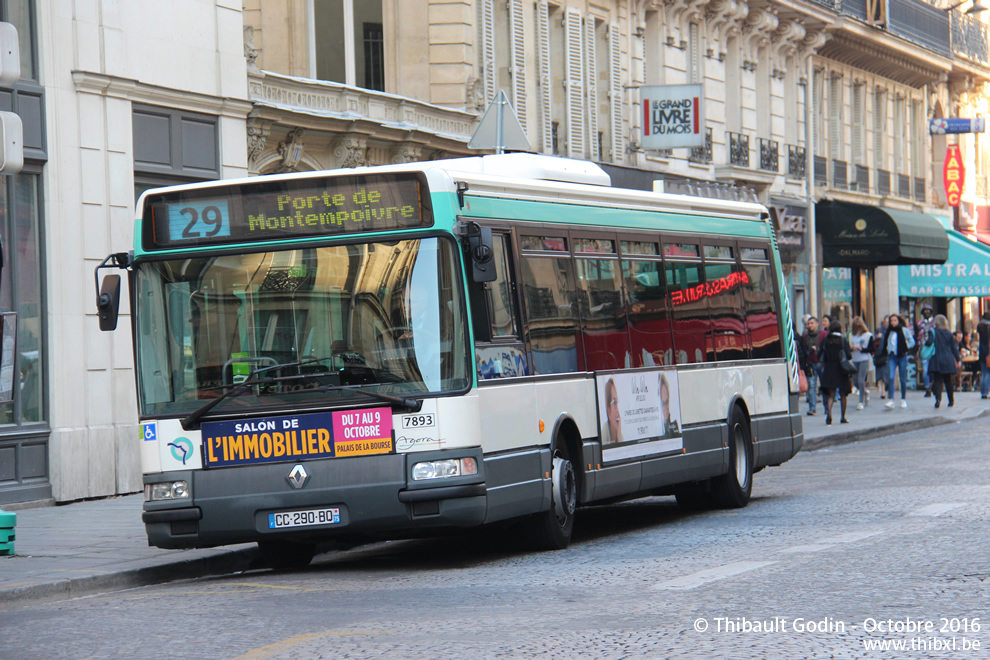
x: 673, y: 116
x: 953, y: 173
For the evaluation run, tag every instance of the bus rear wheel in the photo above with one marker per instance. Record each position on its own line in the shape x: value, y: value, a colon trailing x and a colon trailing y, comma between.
x: 551, y: 530
x: 282, y: 555
x: 733, y: 489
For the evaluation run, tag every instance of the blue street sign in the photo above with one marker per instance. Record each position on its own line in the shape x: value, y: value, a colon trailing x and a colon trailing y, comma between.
x: 947, y: 125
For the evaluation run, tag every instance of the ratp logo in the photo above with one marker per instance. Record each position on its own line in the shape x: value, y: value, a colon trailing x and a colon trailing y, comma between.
x: 182, y: 449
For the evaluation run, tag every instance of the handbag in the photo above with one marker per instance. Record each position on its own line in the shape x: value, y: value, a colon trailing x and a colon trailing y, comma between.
x: 847, y: 366
x: 803, y: 382
x: 928, y: 351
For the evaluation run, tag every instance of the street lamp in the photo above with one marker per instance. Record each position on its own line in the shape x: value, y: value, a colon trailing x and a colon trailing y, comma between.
x: 975, y: 9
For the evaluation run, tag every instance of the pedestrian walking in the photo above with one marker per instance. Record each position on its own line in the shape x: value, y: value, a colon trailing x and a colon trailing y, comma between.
x: 925, y: 328
x: 983, y: 331
x: 812, y: 339
x: 880, y: 359
x: 863, y: 345
x: 899, y: 342
x: 945, y: 362
x: 835, y: 380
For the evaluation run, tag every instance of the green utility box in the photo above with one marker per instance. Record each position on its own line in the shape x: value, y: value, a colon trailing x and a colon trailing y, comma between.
x: 8, y: 520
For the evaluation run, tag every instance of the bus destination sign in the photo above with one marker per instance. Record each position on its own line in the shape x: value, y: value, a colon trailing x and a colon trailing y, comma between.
x: 287, y: 208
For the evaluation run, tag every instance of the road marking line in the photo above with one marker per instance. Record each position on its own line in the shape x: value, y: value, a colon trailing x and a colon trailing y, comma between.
x: 851, y: 537
x: 712, y: 575
x: 805, y: 548
x: 289, y: 643
x: 933, y: 510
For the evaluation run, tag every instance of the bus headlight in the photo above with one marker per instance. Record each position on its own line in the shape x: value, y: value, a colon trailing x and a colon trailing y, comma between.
x: 168, y: 490
x: 451, y: 467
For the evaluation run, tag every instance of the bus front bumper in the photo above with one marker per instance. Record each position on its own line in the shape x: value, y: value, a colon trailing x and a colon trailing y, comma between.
x: 369, y: 495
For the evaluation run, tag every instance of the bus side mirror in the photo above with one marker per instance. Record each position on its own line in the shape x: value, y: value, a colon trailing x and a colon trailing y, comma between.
x: 482, y: 250
x: 108, y: 303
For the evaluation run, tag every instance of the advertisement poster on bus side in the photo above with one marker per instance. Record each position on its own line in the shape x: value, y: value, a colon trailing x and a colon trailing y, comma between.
x: 639, y: 413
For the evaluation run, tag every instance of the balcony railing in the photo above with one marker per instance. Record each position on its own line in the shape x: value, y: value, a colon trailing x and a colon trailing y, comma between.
x: 969, y: 37
x: 821, y: 171
x: 840, y: 178
x: 920, y: 191
x: 946, y: 33
x: 769, y: 155
x: 703, y: 154
x: 797, y: 162
x: 883, y: 182
x: 738, y: 149
x: 904, y: 186
x: 862, y: 179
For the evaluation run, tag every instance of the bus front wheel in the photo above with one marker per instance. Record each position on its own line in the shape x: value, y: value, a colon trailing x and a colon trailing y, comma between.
x: 733, y: 489
x: 551, y: 530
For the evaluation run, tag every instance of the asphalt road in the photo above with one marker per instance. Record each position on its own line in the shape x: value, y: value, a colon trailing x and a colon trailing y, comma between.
x: 841, y: 550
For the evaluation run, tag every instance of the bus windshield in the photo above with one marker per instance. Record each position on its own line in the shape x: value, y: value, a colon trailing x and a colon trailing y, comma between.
x: 386, y: 316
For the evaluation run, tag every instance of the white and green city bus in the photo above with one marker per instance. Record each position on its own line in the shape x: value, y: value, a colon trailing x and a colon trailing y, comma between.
x: 408, y: 349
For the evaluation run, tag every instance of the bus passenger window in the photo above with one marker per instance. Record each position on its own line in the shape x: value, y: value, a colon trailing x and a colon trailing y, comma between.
x: 651, y: 342
x: 689, y: 312
x: 723, y: 282
x: 761, y: 312
x: 551, y: 317
x: 606, y: 342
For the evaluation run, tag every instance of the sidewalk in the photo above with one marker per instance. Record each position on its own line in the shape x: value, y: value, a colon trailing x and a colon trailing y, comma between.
x: 97, y: 546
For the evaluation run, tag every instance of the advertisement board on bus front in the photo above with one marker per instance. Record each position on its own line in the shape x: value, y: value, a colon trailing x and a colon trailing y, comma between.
x: 294, y: 437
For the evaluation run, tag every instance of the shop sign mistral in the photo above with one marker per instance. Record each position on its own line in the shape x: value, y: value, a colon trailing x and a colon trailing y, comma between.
x: 673, y: 116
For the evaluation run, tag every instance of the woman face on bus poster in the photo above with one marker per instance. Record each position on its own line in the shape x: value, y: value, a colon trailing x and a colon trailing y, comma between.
x: 613, y: 416
x: 670, y: 405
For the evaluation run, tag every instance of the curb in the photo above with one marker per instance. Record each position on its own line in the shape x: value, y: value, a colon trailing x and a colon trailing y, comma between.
x: 223, y: 563
x: 846, y: 437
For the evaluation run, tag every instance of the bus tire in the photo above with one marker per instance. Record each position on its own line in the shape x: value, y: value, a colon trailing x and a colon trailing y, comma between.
x: 282, y: 555
x: 733, y: 489
x: 551, y: 530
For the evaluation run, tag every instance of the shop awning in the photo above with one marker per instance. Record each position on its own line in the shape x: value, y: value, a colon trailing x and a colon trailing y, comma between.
x: 966, y: 272
x: 862, y: 236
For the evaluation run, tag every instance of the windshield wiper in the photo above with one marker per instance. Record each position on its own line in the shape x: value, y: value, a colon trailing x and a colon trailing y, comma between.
x: 413, y: 405
x: 189, y: 422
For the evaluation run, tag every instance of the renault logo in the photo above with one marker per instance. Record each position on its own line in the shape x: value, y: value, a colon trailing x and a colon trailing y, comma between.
x: 298, y: 476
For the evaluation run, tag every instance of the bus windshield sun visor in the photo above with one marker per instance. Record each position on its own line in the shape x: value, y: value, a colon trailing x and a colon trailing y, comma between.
x: 192, y: 420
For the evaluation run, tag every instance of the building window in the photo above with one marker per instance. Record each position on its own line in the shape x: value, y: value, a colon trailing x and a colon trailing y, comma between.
x: 347, y: 43
x: 173, y: 146
x: 20, y: 226
x: 835, y: 121
x: 880, y: 128
x: 20, y: 14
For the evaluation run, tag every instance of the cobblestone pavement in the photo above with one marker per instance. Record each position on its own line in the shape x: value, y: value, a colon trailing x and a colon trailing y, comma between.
x: 837, y: 547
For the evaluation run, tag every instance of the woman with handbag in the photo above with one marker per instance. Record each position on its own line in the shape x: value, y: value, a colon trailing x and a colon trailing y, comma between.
x: 862, y: 344
x: 837, y: 372
x: 945, y: 361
